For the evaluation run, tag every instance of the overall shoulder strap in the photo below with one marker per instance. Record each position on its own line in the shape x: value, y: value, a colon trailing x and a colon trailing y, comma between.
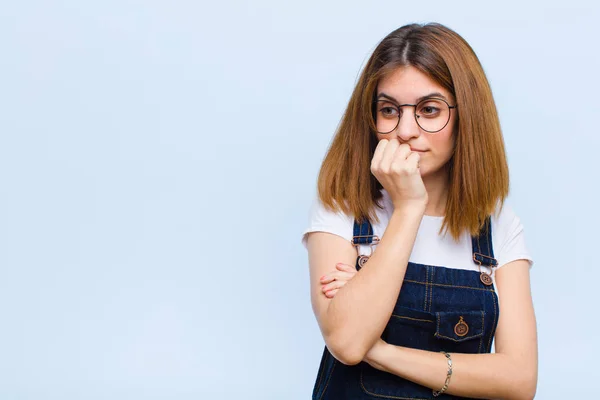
x: 483, y: 251
x: 363, y: 234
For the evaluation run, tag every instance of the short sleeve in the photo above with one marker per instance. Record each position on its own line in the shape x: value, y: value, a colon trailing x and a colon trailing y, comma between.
x: 509, y: 238
x: 321, y: 219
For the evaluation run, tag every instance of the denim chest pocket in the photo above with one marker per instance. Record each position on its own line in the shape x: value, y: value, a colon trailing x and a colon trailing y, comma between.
x: 451, y: 331
x: 460, y: 326
x: 442, y: 330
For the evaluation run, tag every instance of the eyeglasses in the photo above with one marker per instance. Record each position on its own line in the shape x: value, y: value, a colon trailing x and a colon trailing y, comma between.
x: 431, y: 114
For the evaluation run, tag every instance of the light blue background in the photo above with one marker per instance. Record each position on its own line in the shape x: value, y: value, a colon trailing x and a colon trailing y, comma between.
x: 157, y: 162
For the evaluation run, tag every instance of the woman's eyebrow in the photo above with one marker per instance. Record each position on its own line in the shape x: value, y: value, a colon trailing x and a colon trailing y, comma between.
x: 427, y: 96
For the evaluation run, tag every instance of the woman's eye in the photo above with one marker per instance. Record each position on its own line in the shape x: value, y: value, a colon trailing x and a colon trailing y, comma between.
x: 388, y: 111
x: 430, y: 110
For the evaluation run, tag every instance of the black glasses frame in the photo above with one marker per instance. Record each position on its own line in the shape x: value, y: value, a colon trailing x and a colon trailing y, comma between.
x: 399, y: 106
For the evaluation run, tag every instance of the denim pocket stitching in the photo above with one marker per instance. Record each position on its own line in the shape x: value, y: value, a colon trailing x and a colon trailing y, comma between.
x: 493, y: 328
x: 431, y: 290
x: 412, y: 314
x: 438, y: 335
x: 426, y: 288
x: 412, y: 319
x: 482, y: 330
x: 452, y: 286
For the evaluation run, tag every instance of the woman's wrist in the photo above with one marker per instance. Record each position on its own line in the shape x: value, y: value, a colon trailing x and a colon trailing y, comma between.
x: 415, y: 207
x: 375, y: 355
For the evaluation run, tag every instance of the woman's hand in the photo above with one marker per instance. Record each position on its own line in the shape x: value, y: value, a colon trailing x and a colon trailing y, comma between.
x: 336, y: 279
x: 396, y: 167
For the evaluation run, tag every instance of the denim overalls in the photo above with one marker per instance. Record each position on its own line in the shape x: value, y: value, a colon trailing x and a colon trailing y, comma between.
x: 438, y: 309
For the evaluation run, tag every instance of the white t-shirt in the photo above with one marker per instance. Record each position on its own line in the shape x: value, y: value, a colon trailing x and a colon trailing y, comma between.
x: 430, y: 247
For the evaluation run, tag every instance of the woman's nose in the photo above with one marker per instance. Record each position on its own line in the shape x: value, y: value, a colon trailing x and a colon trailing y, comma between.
x: 407, y: 126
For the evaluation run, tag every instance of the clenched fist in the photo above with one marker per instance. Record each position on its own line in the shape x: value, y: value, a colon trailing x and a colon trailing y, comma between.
x: 396, y: 167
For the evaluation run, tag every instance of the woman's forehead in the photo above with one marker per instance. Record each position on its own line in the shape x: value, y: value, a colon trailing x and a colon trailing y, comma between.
x: 407, y: 84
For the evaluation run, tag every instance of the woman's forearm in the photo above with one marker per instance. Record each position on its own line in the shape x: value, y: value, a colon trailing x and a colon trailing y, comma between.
x: 361, y: 309
x: 487, y: 376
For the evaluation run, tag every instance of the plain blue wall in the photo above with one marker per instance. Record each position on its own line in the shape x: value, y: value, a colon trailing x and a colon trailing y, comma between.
x: 157, y: 163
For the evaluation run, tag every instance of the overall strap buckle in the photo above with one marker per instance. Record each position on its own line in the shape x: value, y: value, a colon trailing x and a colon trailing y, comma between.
x: 483, y: 252
x: 363, y: 234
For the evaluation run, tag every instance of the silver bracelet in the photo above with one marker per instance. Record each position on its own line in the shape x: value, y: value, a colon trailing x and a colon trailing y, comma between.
x: 448, y: 376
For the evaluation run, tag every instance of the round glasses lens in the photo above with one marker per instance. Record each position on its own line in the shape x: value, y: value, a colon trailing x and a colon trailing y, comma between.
x: 432, y: 114
x: 387, y: 116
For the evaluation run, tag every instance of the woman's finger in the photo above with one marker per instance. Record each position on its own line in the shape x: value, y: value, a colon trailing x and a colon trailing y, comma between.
x: 345, y: 267
x: 388, y: 155
x: 378, y: 154
x: 329, y: 277
x: 412, y: 161
x: 333, y: 275
x: 331, y: 293
x: 334, y: 285
x: 342, y: 275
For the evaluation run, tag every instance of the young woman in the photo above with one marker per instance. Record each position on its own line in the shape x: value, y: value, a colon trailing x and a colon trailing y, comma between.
x: 416, y: 264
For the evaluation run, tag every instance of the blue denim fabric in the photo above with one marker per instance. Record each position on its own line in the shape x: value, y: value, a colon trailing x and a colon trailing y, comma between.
x: 432, y: 301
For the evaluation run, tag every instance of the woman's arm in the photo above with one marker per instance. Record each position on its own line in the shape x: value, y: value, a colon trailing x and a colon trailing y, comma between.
x: 354, y: 319
x: 510, y: 373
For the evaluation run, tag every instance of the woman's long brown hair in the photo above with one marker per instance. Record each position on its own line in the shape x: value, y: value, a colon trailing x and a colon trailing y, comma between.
x: 478, y: 171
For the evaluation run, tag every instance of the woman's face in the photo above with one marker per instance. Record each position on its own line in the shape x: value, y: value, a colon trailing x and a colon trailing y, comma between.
x: 408, y: 85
